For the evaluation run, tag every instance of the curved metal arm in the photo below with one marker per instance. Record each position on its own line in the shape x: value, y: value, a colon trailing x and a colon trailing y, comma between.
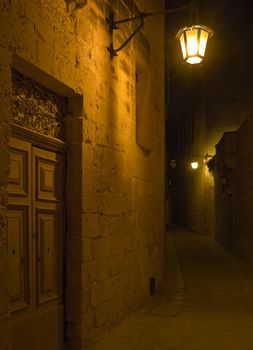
x: 113, y: 25
x: 113, y: 52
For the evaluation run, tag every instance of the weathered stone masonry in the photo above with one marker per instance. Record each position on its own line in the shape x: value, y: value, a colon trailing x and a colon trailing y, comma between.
x: 233, y: 188
x: 5, y: 89
x: 114, y: 186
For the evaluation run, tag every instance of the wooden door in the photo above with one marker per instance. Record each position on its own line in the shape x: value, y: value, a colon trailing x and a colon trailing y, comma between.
x: 35, y: 246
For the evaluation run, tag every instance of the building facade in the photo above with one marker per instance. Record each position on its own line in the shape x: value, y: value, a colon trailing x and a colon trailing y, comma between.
x: 82, y: 170
x: 233, y: 190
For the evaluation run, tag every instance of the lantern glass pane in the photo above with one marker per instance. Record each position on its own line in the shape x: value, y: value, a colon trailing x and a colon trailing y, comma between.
x: 194, y: 60
x: 182, y: 42
x: 203, y: 41
x: 192, y: 42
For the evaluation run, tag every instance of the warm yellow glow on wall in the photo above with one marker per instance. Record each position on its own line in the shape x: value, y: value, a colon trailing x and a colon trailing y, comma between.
x: 193, y: 42
x: 194, y: 165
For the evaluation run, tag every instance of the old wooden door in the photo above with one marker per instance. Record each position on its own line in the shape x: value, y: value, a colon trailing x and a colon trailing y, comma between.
x: 35, y: 246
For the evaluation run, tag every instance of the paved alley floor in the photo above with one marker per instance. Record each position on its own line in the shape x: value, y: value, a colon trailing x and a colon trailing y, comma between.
x: 207, y: 304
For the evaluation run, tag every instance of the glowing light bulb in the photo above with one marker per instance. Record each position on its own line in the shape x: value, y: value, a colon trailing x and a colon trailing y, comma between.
x: 194, y: 165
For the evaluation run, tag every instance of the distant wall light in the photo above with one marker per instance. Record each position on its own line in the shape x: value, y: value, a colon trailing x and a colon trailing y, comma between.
x: 194, y: 165
x: 193, y: 42
x: 207, y: 159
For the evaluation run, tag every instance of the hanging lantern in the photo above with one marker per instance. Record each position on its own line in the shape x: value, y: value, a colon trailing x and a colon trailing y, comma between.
x: 193, y: 42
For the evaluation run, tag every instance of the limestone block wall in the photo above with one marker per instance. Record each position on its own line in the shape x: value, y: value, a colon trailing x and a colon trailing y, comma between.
x: 114, y: 185
x: 5, y: 87
x: 234, y: 191
x: 243, y: 188
x: 225, y: 194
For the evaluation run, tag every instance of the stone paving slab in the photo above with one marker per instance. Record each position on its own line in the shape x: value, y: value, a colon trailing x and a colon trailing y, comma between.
x: 209, y: 306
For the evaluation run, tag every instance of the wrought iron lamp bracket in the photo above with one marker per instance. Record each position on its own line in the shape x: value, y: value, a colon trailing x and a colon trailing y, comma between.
x: 205, y: 157
x: 114, y: 25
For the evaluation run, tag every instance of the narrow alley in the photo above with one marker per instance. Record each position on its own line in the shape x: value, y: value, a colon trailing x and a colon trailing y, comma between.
x: 211, y: 308
x: 122, y: 121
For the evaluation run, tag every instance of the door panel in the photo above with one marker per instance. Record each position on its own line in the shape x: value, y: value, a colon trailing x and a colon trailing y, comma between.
x: 49, y: 213
x: 46, y: 252
x: 19, y: 167
x: 35, y: 236
x: 19, y: 225
x: 45, y: 331
x: 48, y: 256
x: 47, y: 182
x: 17, y: 231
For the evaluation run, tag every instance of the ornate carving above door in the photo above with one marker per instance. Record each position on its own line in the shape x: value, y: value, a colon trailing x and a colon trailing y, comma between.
x: 37, y: 108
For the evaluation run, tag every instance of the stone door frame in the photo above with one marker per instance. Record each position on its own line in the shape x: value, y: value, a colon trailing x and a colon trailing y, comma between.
x: 74, y: 127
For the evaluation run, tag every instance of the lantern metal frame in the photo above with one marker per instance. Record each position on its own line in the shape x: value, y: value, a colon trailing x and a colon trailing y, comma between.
x: 204, y: 157
x: 114, y: 25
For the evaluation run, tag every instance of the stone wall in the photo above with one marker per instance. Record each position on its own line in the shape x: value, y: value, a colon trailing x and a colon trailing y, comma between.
x: 5, y: 89
x: 234, y: 189
x: 225, y: 194
x: 115, y: 194
x: 243, y: 188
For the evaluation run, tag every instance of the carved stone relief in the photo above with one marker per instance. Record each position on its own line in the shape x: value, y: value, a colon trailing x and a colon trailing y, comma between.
x: 36, y: 108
